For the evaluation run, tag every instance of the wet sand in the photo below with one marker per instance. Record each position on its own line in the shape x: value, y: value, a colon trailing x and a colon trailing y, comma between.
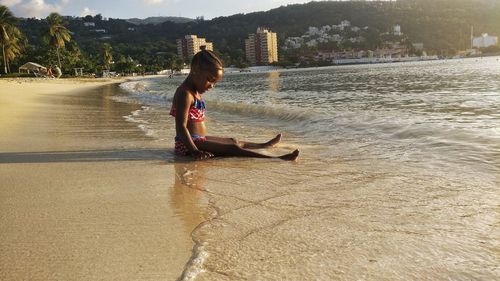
x: 342, y: 212
x: 88, y: 196
x: 85, y: 195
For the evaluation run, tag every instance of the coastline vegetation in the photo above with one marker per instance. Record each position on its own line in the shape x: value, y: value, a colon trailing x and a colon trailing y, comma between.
x: 96, y: 44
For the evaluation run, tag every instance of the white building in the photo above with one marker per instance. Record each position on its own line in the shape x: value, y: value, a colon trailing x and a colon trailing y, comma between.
x: 323, y: 40
x: 358, y: 39
x: 313, y: 31
x: 326, y: 28
x: 345, y: 23
x: 484, y: 41
x: 312, y: 43
x: 293, y: 43
x: 396, y: 30
x: 335, y: 38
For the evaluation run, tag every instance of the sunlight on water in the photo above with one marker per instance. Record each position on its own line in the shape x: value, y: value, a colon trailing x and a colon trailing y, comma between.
x: 398, y: 177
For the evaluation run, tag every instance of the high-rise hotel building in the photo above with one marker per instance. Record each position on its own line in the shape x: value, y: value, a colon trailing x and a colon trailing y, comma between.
x: 261, y: 48
x: 188, y: 46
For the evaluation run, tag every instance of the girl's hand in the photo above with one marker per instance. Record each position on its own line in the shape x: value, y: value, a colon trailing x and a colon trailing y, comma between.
x: 202, y: 155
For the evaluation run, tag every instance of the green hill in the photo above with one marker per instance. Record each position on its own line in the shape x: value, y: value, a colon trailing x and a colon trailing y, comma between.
x: 442, y: 25
x: 158, y: 20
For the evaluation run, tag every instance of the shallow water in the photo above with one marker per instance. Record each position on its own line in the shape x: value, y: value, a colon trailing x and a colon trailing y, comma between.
x: 398, y: 177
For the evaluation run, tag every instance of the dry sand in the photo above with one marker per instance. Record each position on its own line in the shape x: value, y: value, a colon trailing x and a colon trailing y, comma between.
x: 85, y: 195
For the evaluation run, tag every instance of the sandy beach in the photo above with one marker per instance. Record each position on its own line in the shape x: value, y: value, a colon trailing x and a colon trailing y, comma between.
x: 90, y: 189
x: 85, y: 195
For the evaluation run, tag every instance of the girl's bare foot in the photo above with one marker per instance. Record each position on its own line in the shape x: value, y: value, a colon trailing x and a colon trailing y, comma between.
x: 253, y: 145
x: 274, y: 141
x: 291, y: 156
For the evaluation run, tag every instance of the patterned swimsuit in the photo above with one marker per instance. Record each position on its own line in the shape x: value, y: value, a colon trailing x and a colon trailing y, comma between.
x: 196, y: 114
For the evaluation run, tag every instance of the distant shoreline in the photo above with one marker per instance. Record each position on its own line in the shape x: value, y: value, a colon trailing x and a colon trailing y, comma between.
x: 262, y: 69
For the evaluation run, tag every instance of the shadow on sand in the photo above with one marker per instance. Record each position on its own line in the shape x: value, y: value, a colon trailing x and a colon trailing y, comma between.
x: 87, y: 156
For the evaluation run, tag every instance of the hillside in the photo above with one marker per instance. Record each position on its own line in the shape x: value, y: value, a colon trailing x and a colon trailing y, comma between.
x: 442, y: 25
x: 158, y: 20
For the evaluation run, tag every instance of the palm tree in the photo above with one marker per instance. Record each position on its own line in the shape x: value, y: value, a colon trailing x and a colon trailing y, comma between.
x: 58, y: 33
x: 7, y: 21
x: 107, y: 56
x: 13, y: 46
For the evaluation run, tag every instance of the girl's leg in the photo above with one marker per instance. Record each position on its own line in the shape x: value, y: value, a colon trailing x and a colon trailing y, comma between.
x: 246, y: 144
x: 233, y: 149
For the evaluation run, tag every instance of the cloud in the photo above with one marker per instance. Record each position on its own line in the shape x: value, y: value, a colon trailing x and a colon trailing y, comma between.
x: 86, y: 12
x: 10, y: 3
x: 152, y: 2
x: 37, y: 8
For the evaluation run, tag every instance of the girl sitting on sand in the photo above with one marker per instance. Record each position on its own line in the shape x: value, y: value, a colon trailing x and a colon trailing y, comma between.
x: 188, y: 108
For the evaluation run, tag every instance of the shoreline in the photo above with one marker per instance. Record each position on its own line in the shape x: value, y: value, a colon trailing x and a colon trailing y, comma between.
x: 257, y: 218
x: 85, y: 194
x: 376, y: 62
x: 350, y: 208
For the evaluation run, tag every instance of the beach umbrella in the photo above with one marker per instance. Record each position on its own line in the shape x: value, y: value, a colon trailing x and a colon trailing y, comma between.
x: 31, y: 66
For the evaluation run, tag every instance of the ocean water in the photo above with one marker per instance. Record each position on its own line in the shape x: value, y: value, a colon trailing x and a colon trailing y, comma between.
x: 398, y: 177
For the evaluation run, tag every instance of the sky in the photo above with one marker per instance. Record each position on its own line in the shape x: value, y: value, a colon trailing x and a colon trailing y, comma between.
x: 125, y: 9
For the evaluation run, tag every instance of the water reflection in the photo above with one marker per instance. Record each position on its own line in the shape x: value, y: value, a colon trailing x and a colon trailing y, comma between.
x: 187, y: 195
x: 273, y: 79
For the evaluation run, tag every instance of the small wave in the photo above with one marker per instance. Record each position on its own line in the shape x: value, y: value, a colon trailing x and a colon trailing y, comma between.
x: 134, y: 117
x: 133, y: 120
x: 262, y: 111
x: 133, y: 86
x: 147, y: 131
x: 195, y: 265
x: 142, y: 92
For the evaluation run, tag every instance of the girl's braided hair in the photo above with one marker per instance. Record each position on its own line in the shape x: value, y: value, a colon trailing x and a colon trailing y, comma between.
x: 206, y: 60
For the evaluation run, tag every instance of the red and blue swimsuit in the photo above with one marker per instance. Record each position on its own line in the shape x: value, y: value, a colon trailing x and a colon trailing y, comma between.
x: 196, y: 114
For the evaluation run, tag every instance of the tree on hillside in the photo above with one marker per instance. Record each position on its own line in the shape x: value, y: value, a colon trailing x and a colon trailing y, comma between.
x: 107, y: 56
x: 73, y: 56
x: 125, y: 64
x: 438, y: 24
x: 58, y: 33
x: 176, y: 63
x: 10, y: 36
